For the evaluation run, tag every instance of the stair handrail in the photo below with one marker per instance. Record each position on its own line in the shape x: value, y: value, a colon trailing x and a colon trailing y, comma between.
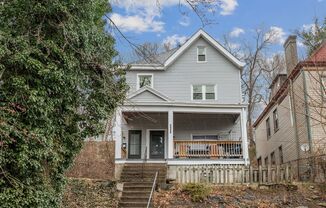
x: 153, y: 188
x: 144, y: 161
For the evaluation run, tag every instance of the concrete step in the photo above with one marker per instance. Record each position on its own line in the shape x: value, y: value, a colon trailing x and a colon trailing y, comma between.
x: 134, y: 199
x: 136, y: 193
x: 138, y: 188
x: 133, y: 184
x: 133, y: 204
x: 145, y: 164
x: 140, y: 179
x: 140, y: 175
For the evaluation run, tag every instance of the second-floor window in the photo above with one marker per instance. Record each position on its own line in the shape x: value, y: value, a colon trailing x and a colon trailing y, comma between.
x: 144, y: 80
x: 204, y: 92
x: 275, y: 118
x: 323, y: 85
x: 268, y: 128
x: 201, y: 54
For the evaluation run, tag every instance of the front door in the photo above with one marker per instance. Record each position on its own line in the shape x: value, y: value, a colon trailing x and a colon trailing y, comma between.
x: 134, y: 144
x: 156, y: 145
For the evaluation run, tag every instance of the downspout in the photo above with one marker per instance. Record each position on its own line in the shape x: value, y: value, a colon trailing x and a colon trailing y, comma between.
x: 307, y: 112
x: 295, y: 125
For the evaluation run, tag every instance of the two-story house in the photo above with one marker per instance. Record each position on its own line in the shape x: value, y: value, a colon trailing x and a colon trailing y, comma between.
x: 292, y: 126
x: 184, y: 107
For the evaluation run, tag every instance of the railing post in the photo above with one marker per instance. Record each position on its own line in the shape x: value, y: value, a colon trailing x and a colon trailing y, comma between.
x: 170, y: 134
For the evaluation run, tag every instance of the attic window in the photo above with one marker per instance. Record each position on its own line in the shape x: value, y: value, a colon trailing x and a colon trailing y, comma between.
x: 144, y: 80
x: 201, y: 54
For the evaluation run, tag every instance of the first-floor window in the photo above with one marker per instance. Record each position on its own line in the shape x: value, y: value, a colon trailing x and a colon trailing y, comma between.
x: 204, y: 92
x: 273, y: 161
x: 266, y: 161
x: 280, y: 152
x: 259, y: 161
x: 205, y: 137
x: 145, y: 80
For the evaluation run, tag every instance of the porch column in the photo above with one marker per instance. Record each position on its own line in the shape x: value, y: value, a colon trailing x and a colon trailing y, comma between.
x: 170, y: 134
x: 244, y: 135
x: 117, y: 134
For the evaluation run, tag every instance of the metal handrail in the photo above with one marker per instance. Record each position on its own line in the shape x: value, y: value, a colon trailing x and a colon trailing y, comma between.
x: 153, y: 187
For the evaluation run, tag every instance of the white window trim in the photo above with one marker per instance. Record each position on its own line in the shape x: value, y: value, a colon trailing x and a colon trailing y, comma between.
x: 145, y: 74
x: 205, y: 52
x: 203, y: 91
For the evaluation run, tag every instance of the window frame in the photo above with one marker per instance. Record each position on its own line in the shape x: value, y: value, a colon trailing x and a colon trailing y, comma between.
x: 280, y: 154
x: 205, y: 53
x: 323, y: 85
x: 205, y: 135
x: 268, y: 130
x: 276, y: 123
x: 266, y: 161
x: 273, y: 159
x: 203, y: 91
x: 145, y: 74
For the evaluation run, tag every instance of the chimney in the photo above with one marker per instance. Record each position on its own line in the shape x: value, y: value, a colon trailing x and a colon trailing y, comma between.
x: 291, y: 54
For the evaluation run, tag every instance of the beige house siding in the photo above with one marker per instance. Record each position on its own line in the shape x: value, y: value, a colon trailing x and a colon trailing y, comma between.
x: 308, y: 117
x: 317, y: 110
x: 300, y: 112
x: 283, y: 137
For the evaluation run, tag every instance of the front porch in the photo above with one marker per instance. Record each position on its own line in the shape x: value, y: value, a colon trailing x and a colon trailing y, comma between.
x: 204, y: 136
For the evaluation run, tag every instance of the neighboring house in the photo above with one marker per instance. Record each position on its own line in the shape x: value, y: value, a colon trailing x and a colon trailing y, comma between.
x: 184, y: 107
x: 292, y: 126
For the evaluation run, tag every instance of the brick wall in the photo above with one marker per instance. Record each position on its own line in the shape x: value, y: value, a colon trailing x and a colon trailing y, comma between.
x: 95, y: 161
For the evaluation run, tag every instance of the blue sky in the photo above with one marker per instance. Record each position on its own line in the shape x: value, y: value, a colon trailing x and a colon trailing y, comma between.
x: 146, y: 21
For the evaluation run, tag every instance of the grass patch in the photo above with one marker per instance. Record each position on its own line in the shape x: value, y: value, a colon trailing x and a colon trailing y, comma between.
x: 197, y: 191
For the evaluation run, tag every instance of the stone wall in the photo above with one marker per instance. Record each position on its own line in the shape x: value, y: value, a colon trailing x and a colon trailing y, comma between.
x: 95, y: 161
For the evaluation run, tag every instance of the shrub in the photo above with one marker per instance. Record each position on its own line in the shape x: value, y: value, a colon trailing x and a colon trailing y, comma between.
x: 197, y: 191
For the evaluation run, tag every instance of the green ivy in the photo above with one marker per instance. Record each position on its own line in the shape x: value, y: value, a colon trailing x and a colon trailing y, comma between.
x: 57, y: 84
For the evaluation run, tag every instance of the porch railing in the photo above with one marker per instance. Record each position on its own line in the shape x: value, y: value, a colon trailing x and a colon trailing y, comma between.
x: 207, y: 149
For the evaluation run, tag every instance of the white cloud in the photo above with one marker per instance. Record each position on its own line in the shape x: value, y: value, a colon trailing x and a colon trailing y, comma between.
x: 228, y: 6
x: 174, y: 40
x: 137, y: 23
x: 276, y: 35
x: 234, y: 46
x: 141, y: 15
x: 185, y: 21
x: 310, y: 27
x: 236, y: 32
x: 149, y: 12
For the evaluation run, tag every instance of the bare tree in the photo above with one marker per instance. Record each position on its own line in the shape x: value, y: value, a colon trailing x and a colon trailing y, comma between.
x: 148, y: 52
x: 258, y: 73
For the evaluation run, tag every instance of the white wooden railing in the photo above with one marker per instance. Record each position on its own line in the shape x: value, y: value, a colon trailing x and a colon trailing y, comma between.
x: 207, y: 149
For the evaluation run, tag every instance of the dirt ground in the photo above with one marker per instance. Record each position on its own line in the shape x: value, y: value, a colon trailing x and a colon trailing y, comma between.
x: 87, y: 193
x: 297, y: 196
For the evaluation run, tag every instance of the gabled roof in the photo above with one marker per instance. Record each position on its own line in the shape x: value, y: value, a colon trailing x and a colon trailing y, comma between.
x: 179, y: 51
x: 150, y: 90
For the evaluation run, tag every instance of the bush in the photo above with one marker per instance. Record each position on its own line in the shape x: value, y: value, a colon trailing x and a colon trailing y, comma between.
x: 197, y: 191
